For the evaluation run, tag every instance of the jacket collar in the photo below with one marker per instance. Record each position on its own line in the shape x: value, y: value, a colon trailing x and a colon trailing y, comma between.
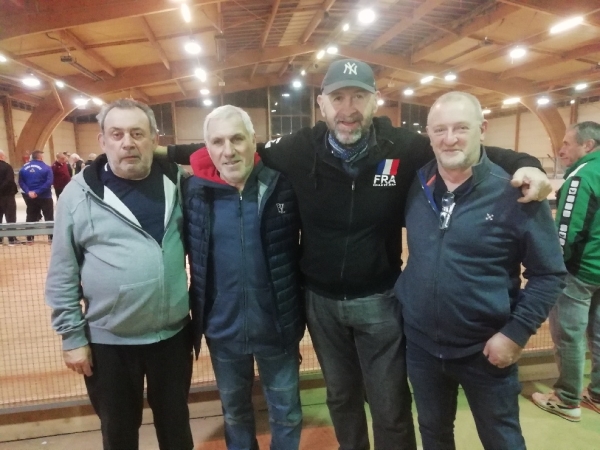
x: 587, y: 158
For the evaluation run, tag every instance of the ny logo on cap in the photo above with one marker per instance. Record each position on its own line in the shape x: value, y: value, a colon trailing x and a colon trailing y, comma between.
x: 350, y: 68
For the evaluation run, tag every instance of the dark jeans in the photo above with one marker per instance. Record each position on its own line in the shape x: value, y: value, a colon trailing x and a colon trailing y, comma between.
x: 278, y: 372
x: 492, y: 393
x: 35, y: 207
x: 360, y: 343
x: 8, y: 210
x: 116, y: 390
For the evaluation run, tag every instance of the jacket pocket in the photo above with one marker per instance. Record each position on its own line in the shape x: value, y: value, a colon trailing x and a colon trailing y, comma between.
x: 134, y: 313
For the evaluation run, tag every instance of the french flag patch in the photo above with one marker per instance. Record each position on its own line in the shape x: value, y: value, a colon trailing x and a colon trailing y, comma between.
x: 385, y: 175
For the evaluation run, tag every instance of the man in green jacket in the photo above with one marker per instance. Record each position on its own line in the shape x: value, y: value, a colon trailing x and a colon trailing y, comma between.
x: 577, y: 309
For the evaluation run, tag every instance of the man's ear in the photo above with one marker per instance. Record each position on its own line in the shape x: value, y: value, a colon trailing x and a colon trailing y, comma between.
x: 101, y: 141
x: 320, y: 102
x: 483, y: 128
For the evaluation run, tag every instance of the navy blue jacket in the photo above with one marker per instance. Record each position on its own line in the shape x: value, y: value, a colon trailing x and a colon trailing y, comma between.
x: 279, y: 231
x: 36, y: 176
x: 462, y: 285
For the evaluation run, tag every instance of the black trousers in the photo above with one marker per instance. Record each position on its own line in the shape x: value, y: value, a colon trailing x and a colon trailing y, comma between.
x: 116, y: 390
x: 35, y: 207
x: 8, y: 210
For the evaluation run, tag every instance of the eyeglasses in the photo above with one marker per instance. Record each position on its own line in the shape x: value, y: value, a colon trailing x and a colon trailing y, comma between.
x: 447, y: 208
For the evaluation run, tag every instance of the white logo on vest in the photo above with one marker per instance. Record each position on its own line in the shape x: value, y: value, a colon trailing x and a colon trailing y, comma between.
x: 351, y: 68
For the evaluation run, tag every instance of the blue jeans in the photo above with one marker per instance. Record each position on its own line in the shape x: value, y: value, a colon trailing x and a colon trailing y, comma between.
x: 576, y: 312
x: 360, y: 343
x: 279, y: 377
x: 492, y: 394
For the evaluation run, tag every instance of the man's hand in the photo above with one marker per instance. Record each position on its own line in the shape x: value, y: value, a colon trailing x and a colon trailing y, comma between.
x: 32, y: 194
x: 534, y: 184
x: 79, y: 360
x: 502, y: 351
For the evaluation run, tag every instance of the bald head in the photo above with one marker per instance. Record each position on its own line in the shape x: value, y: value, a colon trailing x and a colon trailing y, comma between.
x: 2, y: 155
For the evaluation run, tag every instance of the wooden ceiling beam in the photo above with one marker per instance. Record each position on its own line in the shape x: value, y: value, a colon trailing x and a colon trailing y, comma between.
x: 423, y: 9
x: 316, y: 20
x: 212, y: 12
x: 70, y: 38
x: 285, y: 66
x: 253, y: 72
x: 154, y: 42
x: 267, y: 29
x: 181, y: 87
x: 562, y: 8
x: 584, y: 76
x: 465, y: 30
x: 71, y: 13
x: 138, y: 94
x: 590, y: 47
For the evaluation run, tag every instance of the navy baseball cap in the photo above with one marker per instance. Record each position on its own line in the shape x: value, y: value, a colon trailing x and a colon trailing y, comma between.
x: 348, y: 73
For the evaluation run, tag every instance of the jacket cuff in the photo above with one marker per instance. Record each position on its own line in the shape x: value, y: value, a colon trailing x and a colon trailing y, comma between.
x: 74, y: 339
x: 516, y: 332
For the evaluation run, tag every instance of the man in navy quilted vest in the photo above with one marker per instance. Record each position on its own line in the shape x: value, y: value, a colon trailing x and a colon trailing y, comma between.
x: 242, y: 237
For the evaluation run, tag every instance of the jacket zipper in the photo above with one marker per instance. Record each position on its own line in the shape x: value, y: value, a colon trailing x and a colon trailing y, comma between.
x: 245, y: 305
x: 348, y: 235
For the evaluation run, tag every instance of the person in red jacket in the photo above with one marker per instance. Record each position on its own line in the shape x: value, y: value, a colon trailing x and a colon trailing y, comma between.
x: 62, y: 173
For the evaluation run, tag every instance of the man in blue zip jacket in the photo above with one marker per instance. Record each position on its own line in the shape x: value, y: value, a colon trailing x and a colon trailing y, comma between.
x: 466, y: 319
x: 242, y: 236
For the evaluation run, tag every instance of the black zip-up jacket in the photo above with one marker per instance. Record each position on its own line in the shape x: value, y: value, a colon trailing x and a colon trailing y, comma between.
x: 351, y: 227
x: 8, y: 187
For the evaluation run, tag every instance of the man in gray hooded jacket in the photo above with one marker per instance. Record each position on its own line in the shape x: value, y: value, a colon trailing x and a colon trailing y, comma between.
x: 118, y: 248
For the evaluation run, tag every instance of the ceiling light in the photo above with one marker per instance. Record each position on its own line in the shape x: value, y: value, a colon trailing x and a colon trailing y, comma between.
x: 346, y: 27
x: 566, y: 25
x: 297, y: 84
x: 303, y: 72
x: 416, y: 124
x: 543, y: 101
x: 409, y: 91
x: 511, y: 101
x: 427, y: 79
x: 320, y: 54
x: 572, y: 102
x: 581, y: 86
x: 285, y: 94
x: 97, y: 101
x: 380, y: 101
x: 517, y: 52
x: 450, y: 77
x: 332, y: 49
x: 192, y: 47
x: 366, y: 16
x: 207, y: 102
x: 186, y: 13
x: 59, y: 84
x: 204, y: 91
x: 276, y: 103
x: 3, y: 59
x: 81, y: 101
x: 486, y: 111
x: 31, y: 81
x: 273, y: 110
x: 201, y: 74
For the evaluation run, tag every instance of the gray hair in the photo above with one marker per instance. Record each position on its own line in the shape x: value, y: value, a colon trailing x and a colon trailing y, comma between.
x: 127, y: 103
x: 587, y: 130
x: 228, y: 111
x: 458, y: 95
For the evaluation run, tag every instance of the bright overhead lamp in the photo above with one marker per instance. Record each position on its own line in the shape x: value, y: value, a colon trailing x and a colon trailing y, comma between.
x: 486, y: 111
x: 346, y: 27
x: 427, y: 79
x: 543, y: 101
x: 3, y: 59
x: 511, y: 101
x: 186, y: 13
x: 566, y: 25
x: 416, y: 124
x: 332, y: 49
x: 518, y: 52
x: 581, y: 86
x: 31, y: 81
x: 320, y: 54
x: 207, y: 102
x: 366, y: 16
x: 303, y: 72
x: 204, y: 91
x: 59, y: 84
x: 572, y: 102
x: 380, y: 101
x: 273, y: 110
x: 97, y: 101
x: 450, y: 77
x: 81, y: 101
x: 285, y: 94
x: 297, y: 84
x: 201, y: 74
x: 409, y: 91
x: 192, y: 47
